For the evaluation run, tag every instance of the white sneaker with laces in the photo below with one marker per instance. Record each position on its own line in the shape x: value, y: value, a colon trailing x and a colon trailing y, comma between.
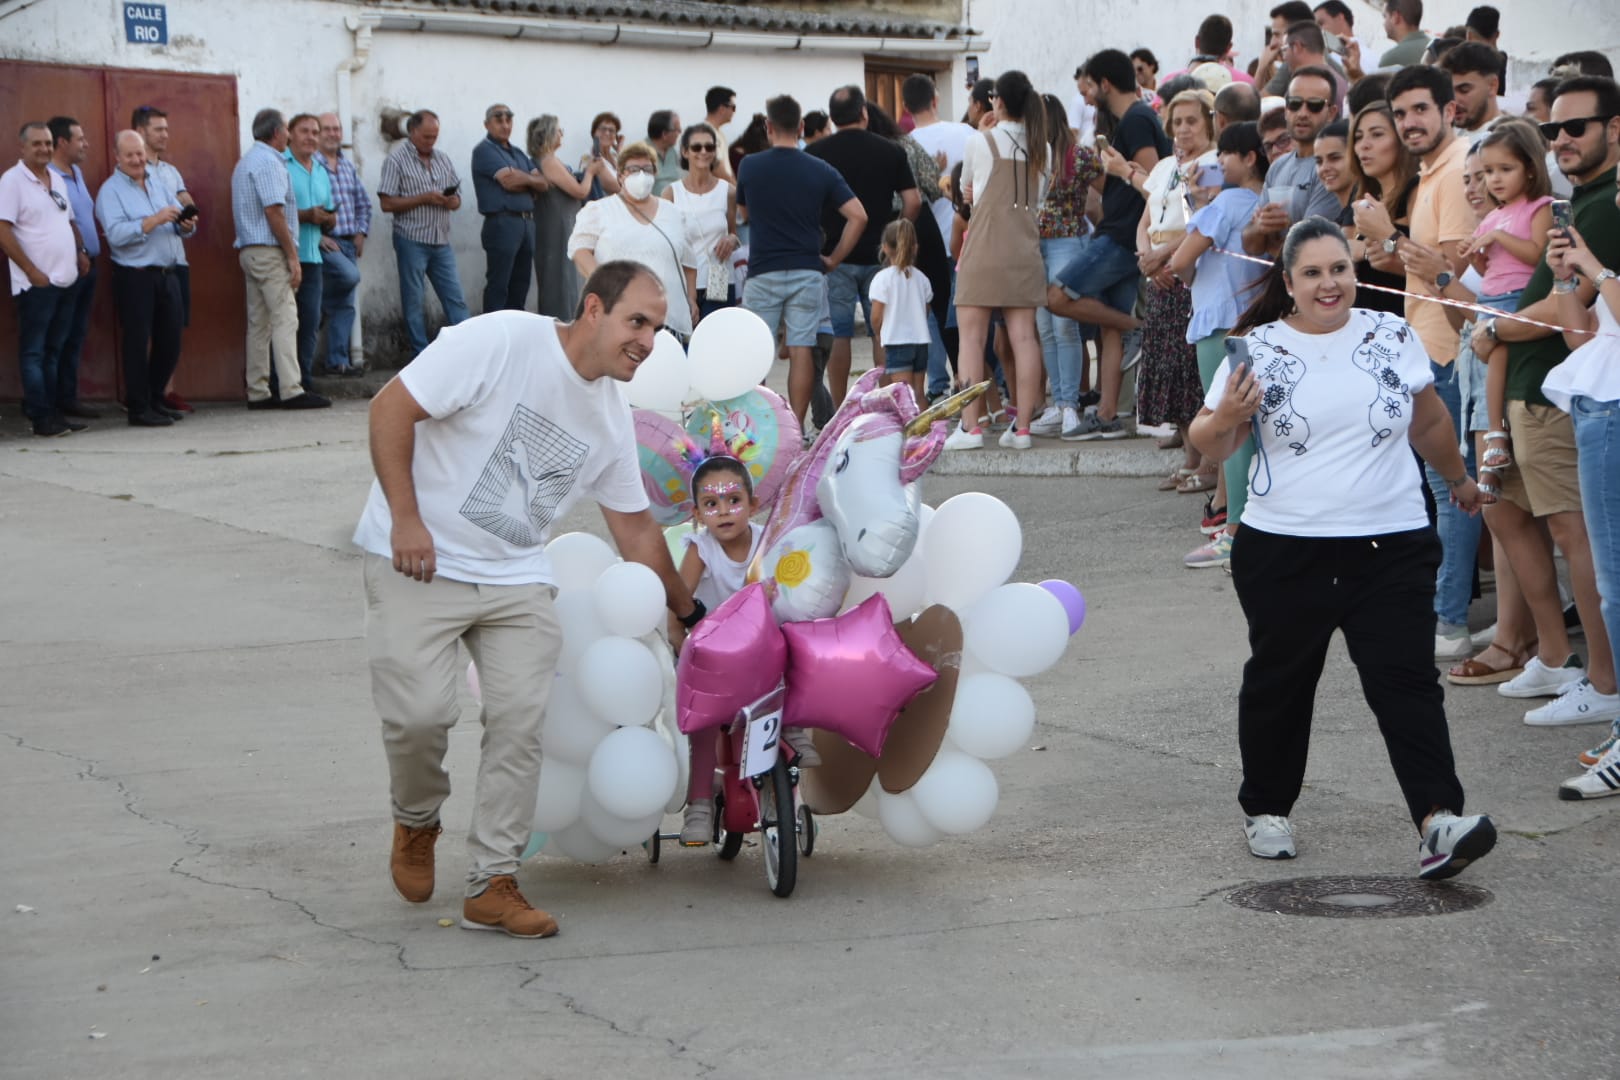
x: 1450, y: 843
x: 1071, y: 419
x: 1270, y: 836
x: 964, y: 440
x: 1049, y: 422
x: 1452, y: 642
x: 1580, y: 704
x: 1011, y: 440
x: 1598, y: 782
x: 1539, y: 680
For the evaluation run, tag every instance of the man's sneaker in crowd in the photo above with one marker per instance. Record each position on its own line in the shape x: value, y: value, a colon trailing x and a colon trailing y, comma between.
x: 50, y: 427
x: 1011, y: 440
x: 1214, y: 518
x: 1450, y: 843
x: 1539, y: 680
x: 1216, y: 553
x: 1090, y: 426
x: 964, y: 440
x: 501, y: 907
x: 1579, y: 704
x: 307, y: 400
x: 1598, y: 782
x: 1589, y: 758
x: 1452, y: 641
x: 1481, y: 639
x: 1270, y: 836
x: 1049, y: 422
x: 412, y: 862
x: 150, y: 418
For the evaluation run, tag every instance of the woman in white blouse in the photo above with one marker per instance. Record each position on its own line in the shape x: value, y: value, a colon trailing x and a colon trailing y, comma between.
x: 709, y: 203
x: 635, y: 225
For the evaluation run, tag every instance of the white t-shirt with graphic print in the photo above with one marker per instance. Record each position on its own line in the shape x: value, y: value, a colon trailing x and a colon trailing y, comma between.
x: 1333, y: 457
x: 517, y: 438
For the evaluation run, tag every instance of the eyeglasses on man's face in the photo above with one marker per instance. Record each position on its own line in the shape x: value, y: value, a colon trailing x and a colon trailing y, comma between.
x: 1315, y: 104
x: 1576, y: 127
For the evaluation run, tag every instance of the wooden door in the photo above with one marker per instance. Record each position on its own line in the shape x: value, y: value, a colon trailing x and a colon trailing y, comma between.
x: 884, y: 76
x: 204, y: 144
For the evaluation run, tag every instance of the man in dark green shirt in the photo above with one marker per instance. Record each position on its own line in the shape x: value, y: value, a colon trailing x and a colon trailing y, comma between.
x: 1543, y: 481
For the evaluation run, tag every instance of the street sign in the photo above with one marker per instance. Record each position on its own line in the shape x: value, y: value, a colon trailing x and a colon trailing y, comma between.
x: 146, y: 24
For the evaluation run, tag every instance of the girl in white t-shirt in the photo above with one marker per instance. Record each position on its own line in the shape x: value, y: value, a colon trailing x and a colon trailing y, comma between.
x: 715, y: 565
x: 1335, y: 538
x: 900, y: 296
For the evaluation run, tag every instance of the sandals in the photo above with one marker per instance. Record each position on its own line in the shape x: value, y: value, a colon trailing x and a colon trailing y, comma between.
x: 1477, y: 672
x: 1498, y: 452
x: 1176, y: 478
x: 1489, y: 484
x: 1200, y: 481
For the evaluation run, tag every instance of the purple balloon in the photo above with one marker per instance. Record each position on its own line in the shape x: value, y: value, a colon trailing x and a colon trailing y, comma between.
x: 735, y: 657
x: 1074, y: 605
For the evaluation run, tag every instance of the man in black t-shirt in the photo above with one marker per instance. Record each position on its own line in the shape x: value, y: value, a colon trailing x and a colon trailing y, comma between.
x: 1099, y: 285
x: 876, y: 170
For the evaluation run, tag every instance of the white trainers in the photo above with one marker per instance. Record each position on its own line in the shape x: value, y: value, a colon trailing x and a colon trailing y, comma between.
x: 1049, y: 422
x: 1482, y: 639
x: 1539, y: 680
x: 1216, y: 553
x: 1589, y: 758
x: 1598, y: 782
x: 1011, y: 440
x: 1579, y: 704
x: 1270, y: 836
x: 964, y: 440
x: 1452, y: 842
x: 1452, y: 642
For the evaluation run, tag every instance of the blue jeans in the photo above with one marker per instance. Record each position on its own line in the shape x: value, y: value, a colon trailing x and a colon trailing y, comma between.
x: 509, y: 261
x: 846, y: 285
x: 1597, y: 439
x: 436, y: 262
x: 939, y: 361
x: 44, y: 319
x: 1061, y: 348
x: 309, y: 321
x: 340, y: 283
x: 1459, y: 533
x: 82, y: 296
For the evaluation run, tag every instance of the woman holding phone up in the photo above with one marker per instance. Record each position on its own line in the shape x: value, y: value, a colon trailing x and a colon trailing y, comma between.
x: 1335, y: 537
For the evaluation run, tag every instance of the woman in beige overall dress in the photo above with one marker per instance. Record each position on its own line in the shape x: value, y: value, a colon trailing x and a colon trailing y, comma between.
x: 1004, y: 174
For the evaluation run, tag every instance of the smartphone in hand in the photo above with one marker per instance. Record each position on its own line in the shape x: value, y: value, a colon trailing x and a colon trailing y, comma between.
x: 1237, y: 353
x: 1563, y: 215
x: 450, y: 191
x: 187, y: 213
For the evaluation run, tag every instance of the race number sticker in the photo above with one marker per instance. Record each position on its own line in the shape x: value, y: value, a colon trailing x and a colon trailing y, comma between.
x: 763, y: 745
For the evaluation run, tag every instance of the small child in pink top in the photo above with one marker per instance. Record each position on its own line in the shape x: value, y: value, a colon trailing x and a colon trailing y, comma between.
x: 1509, y: 243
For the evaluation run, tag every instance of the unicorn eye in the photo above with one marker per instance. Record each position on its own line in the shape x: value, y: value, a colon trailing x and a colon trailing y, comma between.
x: 843, y: 462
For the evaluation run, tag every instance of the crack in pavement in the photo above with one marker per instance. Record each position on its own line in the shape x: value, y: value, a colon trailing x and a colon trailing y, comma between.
x: 189, y: 836
x: 571, y: 1003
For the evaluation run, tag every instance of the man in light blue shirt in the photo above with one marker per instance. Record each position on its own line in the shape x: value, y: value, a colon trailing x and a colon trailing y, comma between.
x: 312, y: 191
x: 145, y: 234
x: 69, y: 149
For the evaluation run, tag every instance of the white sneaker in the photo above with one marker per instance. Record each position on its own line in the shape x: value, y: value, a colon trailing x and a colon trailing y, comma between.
x: 1539, y: 680
x: 964, y: 440
x: 1071, y: 419
x: 1580, y: 704
x: 1270, y: 836
x: 1483, y: 638
x: 1050, y: 422
x: 1452, y: 842
x: 1011, y: 440
x: 1598, y: 782
x: 1452, y: 642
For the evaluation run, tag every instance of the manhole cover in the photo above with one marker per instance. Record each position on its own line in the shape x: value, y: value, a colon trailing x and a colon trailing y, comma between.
x: 1359, y: 897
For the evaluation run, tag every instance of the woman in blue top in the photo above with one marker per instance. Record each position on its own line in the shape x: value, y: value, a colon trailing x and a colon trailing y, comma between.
x: 1221, y: 285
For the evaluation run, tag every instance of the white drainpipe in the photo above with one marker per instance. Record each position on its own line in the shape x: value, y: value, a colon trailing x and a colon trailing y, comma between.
x: 361, y: 52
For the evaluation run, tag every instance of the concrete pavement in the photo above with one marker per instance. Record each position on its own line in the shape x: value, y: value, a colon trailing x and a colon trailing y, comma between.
x: 196, y: 813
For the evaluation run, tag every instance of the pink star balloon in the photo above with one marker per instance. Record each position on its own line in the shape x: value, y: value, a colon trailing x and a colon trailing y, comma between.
x: 852, y: 674
x: 735, y: 657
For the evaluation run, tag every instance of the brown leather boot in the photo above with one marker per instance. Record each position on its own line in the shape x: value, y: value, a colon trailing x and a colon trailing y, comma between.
x: 502, y: 907
x: 412, y: 862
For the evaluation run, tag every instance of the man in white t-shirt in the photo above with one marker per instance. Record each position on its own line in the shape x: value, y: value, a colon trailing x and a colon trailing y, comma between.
x: 945, y: 140
x: 480, y: 445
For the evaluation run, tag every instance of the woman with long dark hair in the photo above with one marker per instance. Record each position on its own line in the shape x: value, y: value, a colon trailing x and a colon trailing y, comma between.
x: 1336, y: 538
x: 1387, y: 174
x: 1004, y: 177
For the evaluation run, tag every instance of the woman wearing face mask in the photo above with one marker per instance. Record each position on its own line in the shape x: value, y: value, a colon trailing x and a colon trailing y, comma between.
x: 1335, y: 537
x: 709, y: 204
x: 651, y: 231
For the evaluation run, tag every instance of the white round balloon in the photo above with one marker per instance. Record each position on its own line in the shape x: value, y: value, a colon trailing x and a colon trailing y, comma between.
x: 581, y: 626
x: 957, y: 794
x: 903, y: 820
x: 577, y: 559
x: 620, y: 680
x: 570, y: 730
x: 661, y: 380
x: 578, y: 843
x: 972, y: 545
x: 1018, y: 629
x: 992, y: 716
x: 561, y: 787
x: 632, y: 774
x: 629, y: 599
x: 616, y: 830
x: 732, y: 350
x: 867, y: 804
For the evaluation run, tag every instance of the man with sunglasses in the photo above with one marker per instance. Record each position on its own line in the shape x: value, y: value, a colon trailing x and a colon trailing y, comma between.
x: 506, y: 180
x: 1312, y: 104
x: 1544, y: 482
x: 42, y: 241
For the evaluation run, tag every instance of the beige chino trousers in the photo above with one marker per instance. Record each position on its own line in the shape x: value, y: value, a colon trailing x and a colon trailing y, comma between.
x: 514, y: 637
x: 272, y: 322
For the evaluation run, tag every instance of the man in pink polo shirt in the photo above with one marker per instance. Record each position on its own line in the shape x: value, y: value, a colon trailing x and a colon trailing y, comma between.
x: 47, y: 255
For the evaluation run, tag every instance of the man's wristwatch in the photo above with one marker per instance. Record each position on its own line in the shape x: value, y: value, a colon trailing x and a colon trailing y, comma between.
x: 1391, y: 243
x: 1489, y: 326
x: 698, y: 611
x: 1442, y: 279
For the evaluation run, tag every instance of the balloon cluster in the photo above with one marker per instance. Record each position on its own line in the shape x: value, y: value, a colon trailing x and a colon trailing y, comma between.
x: 611, y: 767
x: 730, y: 353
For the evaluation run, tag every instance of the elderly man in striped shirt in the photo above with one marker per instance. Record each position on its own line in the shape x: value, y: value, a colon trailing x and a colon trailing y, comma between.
x: 421, y: 189
x: 341, y: 251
